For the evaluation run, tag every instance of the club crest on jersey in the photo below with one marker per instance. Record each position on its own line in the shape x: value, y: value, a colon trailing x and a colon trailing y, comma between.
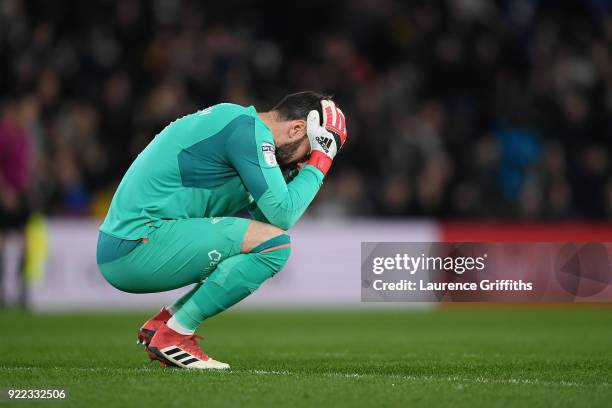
x: 269, y: 153
x: 215, y: 257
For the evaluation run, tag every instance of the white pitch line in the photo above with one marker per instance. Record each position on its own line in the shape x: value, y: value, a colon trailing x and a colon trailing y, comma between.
x: 457, y: 379
x: 507, y: 381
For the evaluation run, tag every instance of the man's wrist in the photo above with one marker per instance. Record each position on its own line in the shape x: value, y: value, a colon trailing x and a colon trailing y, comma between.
x: 321, y: 161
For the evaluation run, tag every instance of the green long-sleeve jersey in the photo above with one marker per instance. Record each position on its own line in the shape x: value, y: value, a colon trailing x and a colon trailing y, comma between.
x: 211, y: 163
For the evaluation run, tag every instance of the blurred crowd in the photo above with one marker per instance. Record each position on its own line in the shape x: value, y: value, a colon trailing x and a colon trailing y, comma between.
x: 455, y: 108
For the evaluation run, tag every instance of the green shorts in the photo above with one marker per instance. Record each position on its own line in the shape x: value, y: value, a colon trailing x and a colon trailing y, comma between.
x: 177, y: 253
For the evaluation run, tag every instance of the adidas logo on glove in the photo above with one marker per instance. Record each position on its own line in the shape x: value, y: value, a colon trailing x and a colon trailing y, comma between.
x: 325, y: 143
x: 327, y: 137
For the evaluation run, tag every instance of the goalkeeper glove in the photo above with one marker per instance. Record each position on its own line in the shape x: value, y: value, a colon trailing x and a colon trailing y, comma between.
x: 325, y: 138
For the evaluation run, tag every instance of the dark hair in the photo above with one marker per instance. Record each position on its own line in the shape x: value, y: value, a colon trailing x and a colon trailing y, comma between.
x: 298, y: 105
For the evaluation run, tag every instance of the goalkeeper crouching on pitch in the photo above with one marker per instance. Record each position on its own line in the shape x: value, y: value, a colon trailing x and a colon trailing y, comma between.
x: 170, y: 222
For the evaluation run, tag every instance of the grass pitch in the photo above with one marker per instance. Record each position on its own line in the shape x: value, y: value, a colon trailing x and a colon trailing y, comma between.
x: 446, y: 357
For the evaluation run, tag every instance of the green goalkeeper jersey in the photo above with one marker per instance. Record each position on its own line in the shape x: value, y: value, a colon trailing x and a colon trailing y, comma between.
x: 211, y: 163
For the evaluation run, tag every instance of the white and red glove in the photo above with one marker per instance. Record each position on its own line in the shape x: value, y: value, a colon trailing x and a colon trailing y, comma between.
x: 326, y: 137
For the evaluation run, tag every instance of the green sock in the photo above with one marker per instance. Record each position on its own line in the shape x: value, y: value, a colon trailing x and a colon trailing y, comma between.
x: 234, y: 279
x: 175, y: 307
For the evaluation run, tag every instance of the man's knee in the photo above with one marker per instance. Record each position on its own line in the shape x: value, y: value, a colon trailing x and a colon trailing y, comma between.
x: 274, y: 252
x: 258, y: 233
x: 270, y: 243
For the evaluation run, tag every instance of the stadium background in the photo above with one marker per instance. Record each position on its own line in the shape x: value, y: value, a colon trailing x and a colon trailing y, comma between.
x: 469, y: 120
x: 463, y: 108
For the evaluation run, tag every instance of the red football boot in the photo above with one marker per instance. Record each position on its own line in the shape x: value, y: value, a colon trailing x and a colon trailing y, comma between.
x: 180, y: 350
x: 147, y: 331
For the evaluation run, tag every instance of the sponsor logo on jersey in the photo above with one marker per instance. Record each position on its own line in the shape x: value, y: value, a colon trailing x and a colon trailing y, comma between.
x: 269, y: 153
